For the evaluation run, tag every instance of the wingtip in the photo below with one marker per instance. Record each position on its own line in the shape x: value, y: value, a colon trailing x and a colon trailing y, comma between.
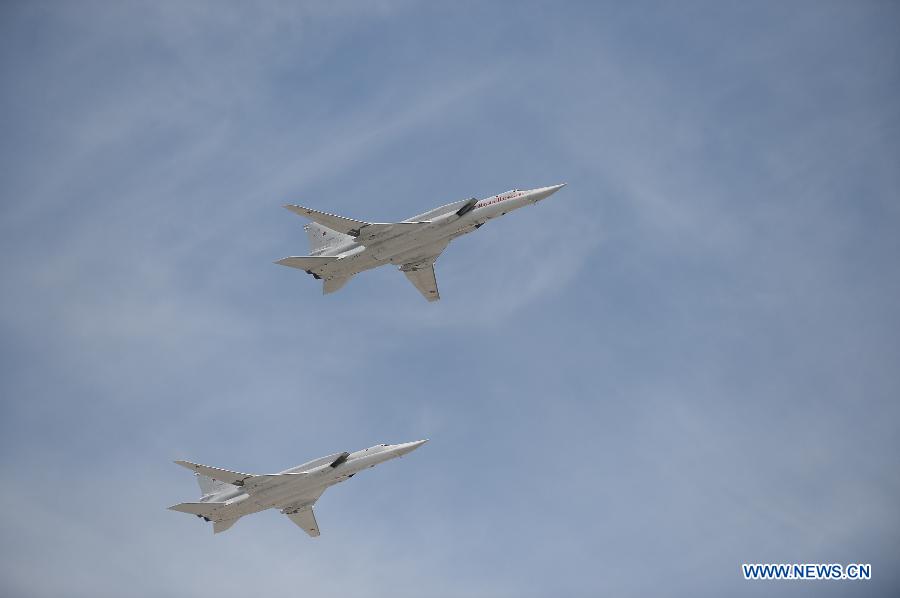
x: 296, y: 209
x: 285, y: 261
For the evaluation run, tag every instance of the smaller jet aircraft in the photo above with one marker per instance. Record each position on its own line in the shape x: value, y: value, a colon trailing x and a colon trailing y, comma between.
x: 229, y: 495
x: 341, y: 248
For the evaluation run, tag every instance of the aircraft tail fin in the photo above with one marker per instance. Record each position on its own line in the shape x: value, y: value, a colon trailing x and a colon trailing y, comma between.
x: 321, y: 237
x: 209, y: 485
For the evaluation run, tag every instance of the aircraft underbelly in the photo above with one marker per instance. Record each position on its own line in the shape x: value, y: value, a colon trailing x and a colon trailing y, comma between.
x: 285, y: 493
x: 398, y: 250
x: 385, y: 251
x: 395, y: 250
x: 248, y: 507
x: 352, y: 264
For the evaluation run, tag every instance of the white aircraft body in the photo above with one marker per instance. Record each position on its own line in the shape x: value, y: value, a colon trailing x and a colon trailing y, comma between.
x: 342, y: 247
x: 229, y: 495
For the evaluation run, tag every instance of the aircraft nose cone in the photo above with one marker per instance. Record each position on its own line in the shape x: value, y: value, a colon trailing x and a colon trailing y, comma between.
x: 409, y: 447
x: 545, y: 192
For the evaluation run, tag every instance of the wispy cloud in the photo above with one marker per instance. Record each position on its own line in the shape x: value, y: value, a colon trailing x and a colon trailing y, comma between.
x: 667, y: 361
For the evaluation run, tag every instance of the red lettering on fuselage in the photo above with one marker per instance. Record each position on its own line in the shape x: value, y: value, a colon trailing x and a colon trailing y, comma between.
x: 496, y: 199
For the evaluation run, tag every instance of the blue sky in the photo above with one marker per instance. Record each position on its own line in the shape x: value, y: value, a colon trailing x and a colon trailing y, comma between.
x: 685, y: 360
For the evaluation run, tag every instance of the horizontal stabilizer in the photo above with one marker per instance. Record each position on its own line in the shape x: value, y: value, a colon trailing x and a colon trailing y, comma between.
x: 203, y: 509
x: 209, y: 511
x: 306, y: 263
x: 347, y: 226
x: 223, y: 475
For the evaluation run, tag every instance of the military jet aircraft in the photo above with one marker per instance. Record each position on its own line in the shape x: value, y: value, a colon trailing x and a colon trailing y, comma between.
x: 342, y: 247
x: 229, y: 495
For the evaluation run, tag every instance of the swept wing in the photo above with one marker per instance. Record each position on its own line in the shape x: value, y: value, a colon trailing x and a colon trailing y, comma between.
x: 419, y: 269
x: 235, y: 478
x: 331, y: 285
x: 248, y: 481
x: 305, y: 520
x: 367, y: 233
x: 422, y: 277
x: 348, y: 226
x: 301, y: 512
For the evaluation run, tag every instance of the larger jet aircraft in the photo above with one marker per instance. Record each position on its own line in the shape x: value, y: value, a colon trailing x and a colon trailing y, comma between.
x: 341, y: 247
x: 229, y: 495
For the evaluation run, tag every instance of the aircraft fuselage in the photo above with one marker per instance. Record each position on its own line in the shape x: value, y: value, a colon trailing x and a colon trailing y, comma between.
x: 312, y: 476
x: 412, y: 246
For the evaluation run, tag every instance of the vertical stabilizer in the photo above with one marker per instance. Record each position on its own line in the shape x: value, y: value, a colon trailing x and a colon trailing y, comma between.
x: 321, y: 237
x: 209, y: 485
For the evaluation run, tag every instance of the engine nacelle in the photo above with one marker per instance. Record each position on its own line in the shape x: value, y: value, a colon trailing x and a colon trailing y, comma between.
x: 467, y: 207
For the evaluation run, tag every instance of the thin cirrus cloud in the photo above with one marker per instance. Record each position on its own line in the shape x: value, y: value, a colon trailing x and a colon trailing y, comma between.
x: 680, y: 362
